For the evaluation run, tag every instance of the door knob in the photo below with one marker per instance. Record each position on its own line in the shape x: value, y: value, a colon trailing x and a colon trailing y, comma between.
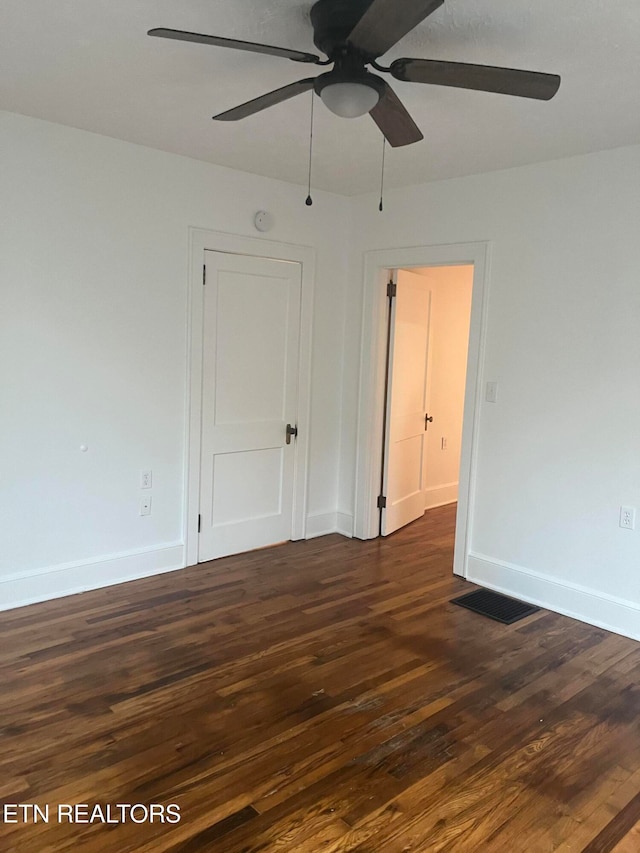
x: 291, y: 431
x: 427, y: 420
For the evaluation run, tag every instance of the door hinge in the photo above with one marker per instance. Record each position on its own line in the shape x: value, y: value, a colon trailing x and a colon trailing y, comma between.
x: 204, y: 274
x: 392, y: 289
x: 199, y: 523
x: 382, y: 502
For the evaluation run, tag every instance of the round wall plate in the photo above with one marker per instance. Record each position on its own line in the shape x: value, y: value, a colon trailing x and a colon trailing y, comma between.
x: 263, y: 220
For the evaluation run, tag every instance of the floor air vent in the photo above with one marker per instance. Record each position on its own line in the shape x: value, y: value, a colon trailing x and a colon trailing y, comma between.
x: 495, y: 606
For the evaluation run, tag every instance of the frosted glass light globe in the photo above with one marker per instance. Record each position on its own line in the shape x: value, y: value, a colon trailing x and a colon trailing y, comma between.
x: 349, y: 100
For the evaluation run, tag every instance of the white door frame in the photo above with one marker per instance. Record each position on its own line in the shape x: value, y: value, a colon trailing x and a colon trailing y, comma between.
x: 201, y: 240
x: 372, y: 370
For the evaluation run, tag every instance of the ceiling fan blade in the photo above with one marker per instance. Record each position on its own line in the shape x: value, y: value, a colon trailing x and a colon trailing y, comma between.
x: 386, y: 21
x: 268, y: 100
x: 485, y: 78
x: 217, y: 41
x: 394, y: 121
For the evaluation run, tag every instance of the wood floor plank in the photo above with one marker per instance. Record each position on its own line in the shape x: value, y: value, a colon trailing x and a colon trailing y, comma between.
x: 631, y: 841
x: 318, y: 696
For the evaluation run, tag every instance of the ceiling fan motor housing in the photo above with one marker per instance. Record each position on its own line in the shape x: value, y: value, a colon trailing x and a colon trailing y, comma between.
x: 333, y: 21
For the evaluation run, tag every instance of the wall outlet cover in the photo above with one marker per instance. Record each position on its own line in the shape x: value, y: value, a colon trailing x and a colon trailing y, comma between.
x: 628, y: 517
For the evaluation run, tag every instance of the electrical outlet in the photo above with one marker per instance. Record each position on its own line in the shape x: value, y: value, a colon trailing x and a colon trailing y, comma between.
x: 145, y: 505
x: 628, y: 517
x: 146, y: 478
x: 491, y: 393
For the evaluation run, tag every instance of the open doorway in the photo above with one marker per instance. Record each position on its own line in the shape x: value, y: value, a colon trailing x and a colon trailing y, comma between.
x: 373, y: 374
x: 429, y: 316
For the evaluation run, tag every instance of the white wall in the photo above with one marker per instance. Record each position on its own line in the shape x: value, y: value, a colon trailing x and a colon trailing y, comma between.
x: 559, y: 452
x: 93, y: 286
x: 93, y: 277
x: 448, y: 347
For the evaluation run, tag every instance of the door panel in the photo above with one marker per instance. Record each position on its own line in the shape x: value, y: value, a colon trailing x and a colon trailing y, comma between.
x: 251, y: 332
x: 407, y: 459
x: 246, y: 485
x: 250, y: 377
x: 405, y: 445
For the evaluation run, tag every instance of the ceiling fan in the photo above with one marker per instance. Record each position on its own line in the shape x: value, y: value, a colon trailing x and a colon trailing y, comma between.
x: 353, y: 34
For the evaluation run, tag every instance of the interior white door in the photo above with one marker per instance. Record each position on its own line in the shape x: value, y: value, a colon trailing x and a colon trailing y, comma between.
x: 249, y: 396
x: 406, y: 404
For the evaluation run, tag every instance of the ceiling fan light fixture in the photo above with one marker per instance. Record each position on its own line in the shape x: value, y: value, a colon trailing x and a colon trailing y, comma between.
x: 350, y: 100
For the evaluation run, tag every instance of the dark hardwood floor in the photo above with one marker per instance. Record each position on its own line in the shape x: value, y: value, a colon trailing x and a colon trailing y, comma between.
x: 317, y: 696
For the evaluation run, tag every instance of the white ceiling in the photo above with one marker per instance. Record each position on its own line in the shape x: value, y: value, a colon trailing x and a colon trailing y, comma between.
x: 90, y: 64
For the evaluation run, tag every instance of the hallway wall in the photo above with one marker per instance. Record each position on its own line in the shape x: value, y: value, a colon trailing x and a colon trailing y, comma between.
x: 451, y: 289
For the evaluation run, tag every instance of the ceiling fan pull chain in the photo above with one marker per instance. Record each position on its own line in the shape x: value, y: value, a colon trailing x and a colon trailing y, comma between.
x: 309, y: 200
x: 384, y: 146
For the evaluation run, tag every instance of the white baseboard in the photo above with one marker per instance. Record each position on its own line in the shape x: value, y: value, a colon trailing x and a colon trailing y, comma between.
x: 24, y: 588
x: 322, y: 523
x: 435, y: 496
x: 344, y: 524
x: 582, y: 603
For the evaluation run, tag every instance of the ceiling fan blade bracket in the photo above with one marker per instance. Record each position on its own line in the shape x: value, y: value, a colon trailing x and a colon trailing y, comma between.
x: 378, y: 67
x: 316, y: 62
